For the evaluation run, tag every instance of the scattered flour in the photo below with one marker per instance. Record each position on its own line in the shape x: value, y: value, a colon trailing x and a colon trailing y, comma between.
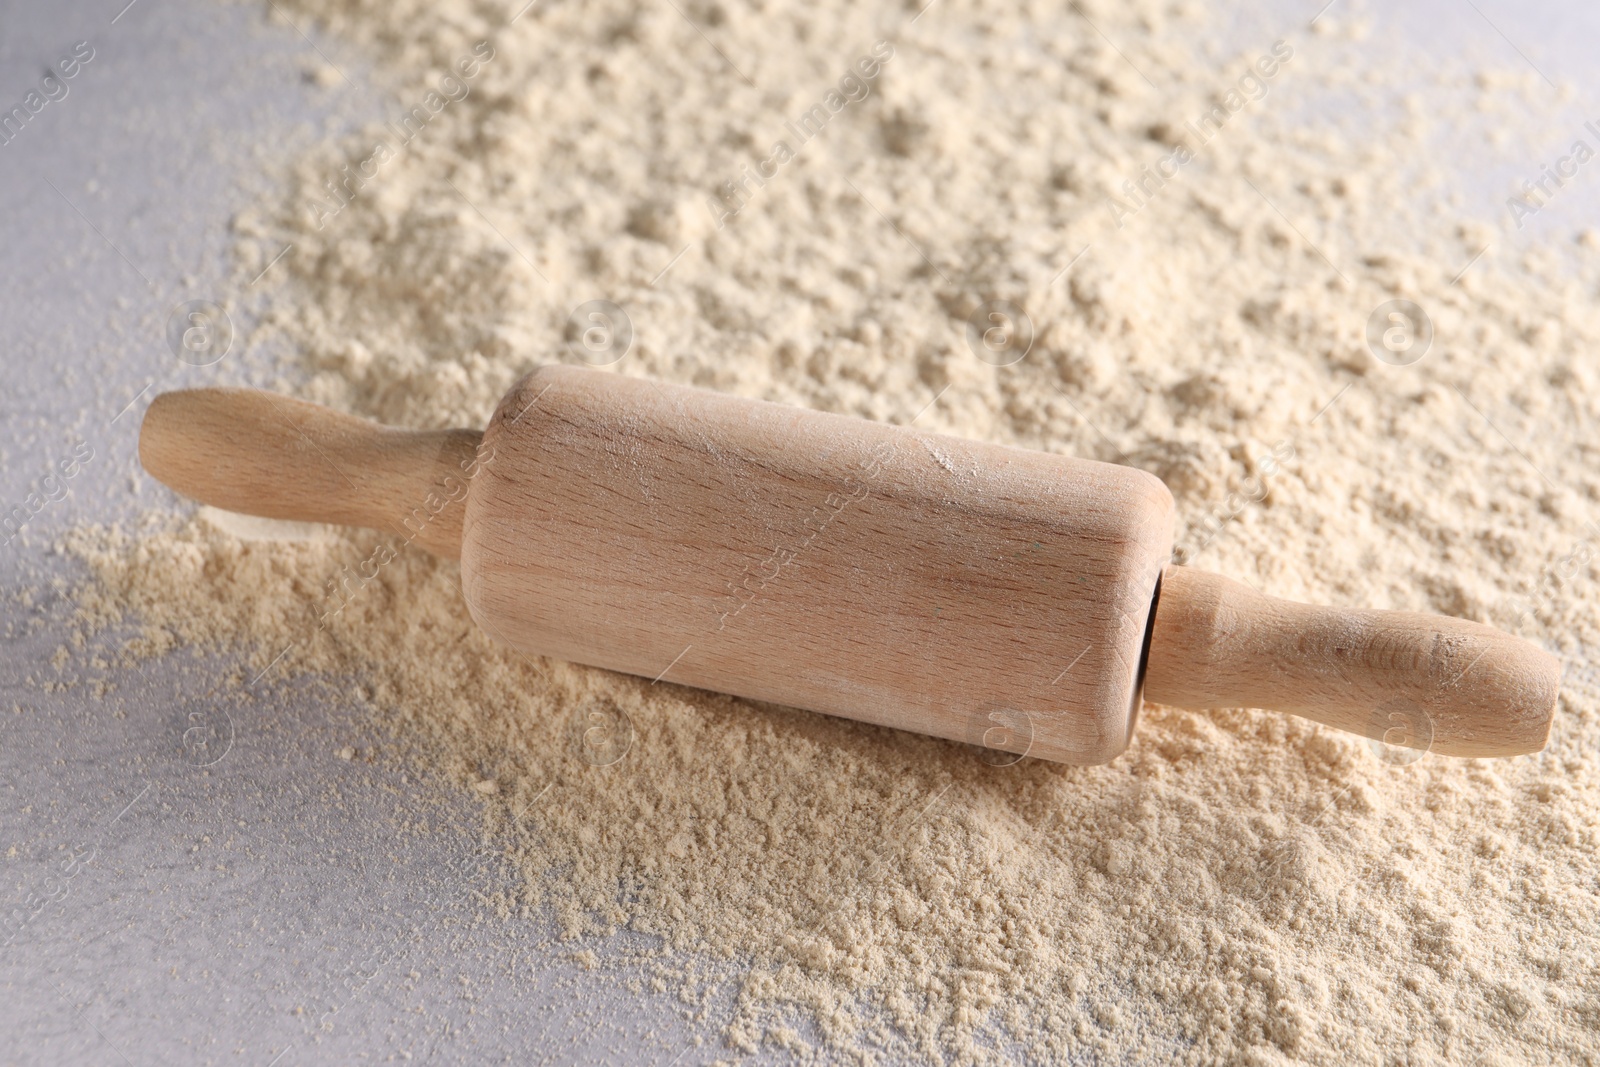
x: 1239, y: 887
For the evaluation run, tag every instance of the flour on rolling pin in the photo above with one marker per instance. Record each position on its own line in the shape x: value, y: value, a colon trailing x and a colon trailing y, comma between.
x: 975, y: 591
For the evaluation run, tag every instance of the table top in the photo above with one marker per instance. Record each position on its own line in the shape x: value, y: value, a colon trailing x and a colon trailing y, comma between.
x: 255, y: 898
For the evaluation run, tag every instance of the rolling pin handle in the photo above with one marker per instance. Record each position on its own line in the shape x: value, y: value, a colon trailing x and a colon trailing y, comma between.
x: 1431, y: 682
x: 281, y: 458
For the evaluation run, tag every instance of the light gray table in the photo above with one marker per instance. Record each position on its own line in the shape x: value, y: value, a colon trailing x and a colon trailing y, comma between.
x: 165, y: 907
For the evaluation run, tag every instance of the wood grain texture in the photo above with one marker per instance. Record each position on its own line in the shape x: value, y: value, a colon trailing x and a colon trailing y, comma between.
x: 1428, y: 681
x: 281, y: 458
x: 957, y: 588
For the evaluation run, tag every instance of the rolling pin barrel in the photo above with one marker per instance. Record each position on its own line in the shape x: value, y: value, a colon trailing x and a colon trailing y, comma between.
x: 964, y: 589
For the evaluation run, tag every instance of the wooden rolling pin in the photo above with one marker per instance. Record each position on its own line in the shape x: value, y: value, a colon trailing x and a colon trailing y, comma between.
x: 1009, y: 598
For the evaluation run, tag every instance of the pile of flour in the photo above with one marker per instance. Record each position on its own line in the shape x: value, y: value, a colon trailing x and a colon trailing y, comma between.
x: 1197, y: 266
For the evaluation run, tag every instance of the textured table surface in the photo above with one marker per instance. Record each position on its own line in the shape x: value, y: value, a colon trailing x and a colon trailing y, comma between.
x: 188, y: 884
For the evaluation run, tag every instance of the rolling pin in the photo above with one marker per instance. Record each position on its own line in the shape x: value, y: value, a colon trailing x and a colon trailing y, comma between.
x: 1014, y: 599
